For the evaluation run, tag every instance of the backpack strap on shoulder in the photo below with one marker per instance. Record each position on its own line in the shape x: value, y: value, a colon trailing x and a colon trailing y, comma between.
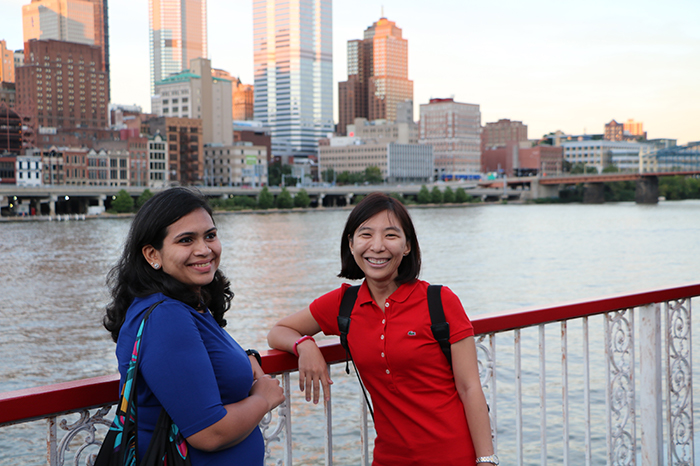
x: 439, y: 325
x: 346, y: 305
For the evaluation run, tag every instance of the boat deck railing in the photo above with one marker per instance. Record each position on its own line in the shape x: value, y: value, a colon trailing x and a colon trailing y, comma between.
x: 607, y: 380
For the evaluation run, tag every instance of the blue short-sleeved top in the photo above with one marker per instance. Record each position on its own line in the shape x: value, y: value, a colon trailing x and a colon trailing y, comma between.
x: 192, y: 367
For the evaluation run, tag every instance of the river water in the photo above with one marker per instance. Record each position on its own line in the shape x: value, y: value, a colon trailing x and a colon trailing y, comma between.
x: 495, y: 258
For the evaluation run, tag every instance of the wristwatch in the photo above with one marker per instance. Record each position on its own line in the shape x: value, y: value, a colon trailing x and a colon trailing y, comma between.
x: 252, y: 352
x: 493, y: 459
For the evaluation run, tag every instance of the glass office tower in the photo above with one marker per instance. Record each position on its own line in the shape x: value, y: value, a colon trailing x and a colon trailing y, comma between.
x: 377, y: 76
x: 177, y: 31
x: 293, y: 58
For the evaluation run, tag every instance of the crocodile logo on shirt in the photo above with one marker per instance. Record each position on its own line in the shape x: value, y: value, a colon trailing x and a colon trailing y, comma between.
x: 411, y: 333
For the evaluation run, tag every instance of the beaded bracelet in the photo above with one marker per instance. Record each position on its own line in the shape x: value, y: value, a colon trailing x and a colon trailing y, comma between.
x: 302, y: 339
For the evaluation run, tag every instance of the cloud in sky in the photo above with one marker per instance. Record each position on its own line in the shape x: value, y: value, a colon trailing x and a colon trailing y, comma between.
x: 549, y: 64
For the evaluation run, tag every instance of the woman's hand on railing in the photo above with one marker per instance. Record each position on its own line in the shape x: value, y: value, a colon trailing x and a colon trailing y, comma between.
x: 313, y: 372
x: 270, y: 389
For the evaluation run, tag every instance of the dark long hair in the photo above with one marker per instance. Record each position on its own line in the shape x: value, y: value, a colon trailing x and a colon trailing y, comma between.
x: 133, y: 277
x: 409, y: 269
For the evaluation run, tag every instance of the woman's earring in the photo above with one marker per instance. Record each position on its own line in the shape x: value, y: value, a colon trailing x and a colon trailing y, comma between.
x: 156, y: 266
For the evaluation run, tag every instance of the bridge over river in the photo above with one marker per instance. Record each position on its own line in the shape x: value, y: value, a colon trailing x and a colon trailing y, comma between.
x: 66, y: 199
x: 538, y: 187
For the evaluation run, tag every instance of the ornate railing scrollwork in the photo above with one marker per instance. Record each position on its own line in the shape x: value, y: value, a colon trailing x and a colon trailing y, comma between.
x: 679, y: 380
x: 283, y: 421
x: 486, y: 363
x: 87, y: 425
x: 620, y: 396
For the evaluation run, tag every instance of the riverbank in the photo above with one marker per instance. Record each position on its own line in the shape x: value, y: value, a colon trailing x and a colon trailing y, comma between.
x: 81, y: 217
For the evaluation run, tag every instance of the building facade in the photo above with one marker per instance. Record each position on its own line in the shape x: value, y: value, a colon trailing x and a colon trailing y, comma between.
x: 62, y: 85
x: 157, y: 162
x: 81, y: 21
x: 28, y: 170
x: 8, y: 174
x: 177, y: 33
x: 185, y: 149
x: 502, y: 132
x: 7, y: 63
x: 242, y: 164
x: 255, y: 133
x: 10, y: 130
x: 408, y: 163
x: 75, y: 165
x: 377, y: 76
x: 601, y: 153
x: 138, y: 160
x: 197, y: 93
x: 398, y: 132
x: 631, y: 131
x: 521, y: 158
x: 243, y: 98
x: 634, y: 128
x: 454, y: 131
x: 8, y: 94
x: 293, y: 71
x: 64, y: 20
x: 614, y: 131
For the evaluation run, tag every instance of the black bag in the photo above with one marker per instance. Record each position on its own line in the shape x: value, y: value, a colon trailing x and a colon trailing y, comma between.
x: 120, y: 448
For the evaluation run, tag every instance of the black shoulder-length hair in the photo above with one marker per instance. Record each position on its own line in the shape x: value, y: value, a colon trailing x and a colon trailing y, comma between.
x: 409, y: 269
x: 133, y: 277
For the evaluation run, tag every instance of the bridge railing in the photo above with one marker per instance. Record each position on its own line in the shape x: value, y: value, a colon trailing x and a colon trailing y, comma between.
x: 615, y: 387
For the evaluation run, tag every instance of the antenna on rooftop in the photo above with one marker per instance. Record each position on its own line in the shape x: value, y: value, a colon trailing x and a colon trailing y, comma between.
x: 382, y: 11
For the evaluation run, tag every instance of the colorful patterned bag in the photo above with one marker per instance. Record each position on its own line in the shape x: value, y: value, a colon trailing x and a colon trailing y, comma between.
x: 167, y: 446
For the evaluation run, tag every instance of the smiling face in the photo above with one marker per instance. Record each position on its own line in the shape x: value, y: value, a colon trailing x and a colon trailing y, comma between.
x: 191, y: 250
x: 378, y: 246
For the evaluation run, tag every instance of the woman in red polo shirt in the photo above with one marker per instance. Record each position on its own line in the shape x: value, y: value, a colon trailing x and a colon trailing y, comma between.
x: 426, y: 411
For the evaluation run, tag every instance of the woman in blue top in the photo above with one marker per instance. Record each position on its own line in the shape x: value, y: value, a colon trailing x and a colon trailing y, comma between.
x: 214, y: 392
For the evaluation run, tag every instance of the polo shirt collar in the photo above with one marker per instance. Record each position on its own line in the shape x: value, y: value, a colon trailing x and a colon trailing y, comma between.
x: 398, y: 296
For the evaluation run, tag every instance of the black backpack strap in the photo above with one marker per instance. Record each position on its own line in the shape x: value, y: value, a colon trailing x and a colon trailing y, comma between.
x: 439, y: 325
x: 346, y: 305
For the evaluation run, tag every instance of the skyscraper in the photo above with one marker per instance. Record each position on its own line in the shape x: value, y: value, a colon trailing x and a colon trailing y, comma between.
x: 377, y: 76
x: 81, y: 21
x: 177, y: 31
x: 293, y: 60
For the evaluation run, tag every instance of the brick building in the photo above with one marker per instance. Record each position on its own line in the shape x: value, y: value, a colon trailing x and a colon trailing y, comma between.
x: 185, y: 149
x: 10, y: 130
x: 515, y: 158
x: 502, y: 132
x: 62, y: 85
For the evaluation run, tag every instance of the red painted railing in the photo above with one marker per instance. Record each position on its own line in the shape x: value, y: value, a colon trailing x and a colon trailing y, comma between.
x: 40, y: 402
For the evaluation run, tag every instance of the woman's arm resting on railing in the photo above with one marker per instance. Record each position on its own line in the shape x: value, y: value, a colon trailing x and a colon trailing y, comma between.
x: 241, y: 418
x: 466, y: 372
x: 313, y: 370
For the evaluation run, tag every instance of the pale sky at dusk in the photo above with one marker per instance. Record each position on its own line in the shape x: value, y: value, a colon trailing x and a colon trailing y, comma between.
x: 572, y: 66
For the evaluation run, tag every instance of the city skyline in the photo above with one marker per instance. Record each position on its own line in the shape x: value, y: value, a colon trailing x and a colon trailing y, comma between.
x: 549, y: 65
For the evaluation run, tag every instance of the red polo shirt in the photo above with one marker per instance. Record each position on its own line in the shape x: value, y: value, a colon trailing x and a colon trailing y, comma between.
x: 419, y: 417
